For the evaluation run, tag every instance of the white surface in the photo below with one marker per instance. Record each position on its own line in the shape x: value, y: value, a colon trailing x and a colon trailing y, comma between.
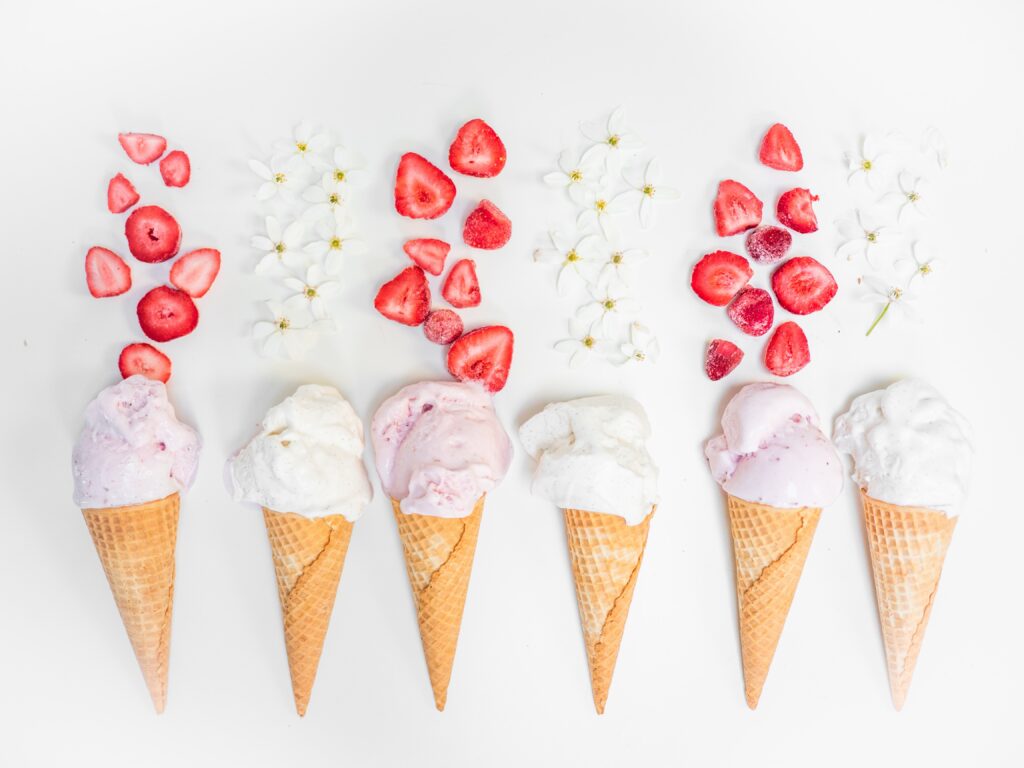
x: 702, y: 84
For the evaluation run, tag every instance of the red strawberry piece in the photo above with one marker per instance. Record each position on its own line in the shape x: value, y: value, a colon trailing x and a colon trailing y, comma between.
x: 483, y: 355
x: 195, y: 272
x: 719, y: 276
x: 153, y: 234
x: 176, y: 169
x: 145, y: 360
x: 442, y: 326
x: 803, y: 285
x: 787, y: 351
x: 406, y: 298
x: 721, y: 359
x: 768, y: 244
x: 780, y: 151
x: 461, y: 288
x: 795, y: 211
x: 121, y: 194
x: 428, y: 253
x: 422, y: 190
x: 477, y: 150
x: 737, y: 209
x: 752, y: 311
x: 167, y: 313
x: 142, y: 148
x: 486, y: 227
x: 106, y: 274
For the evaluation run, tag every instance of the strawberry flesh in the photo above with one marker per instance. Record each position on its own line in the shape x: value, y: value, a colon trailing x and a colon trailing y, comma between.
x: 721, y: 359
x: 142, y: 148
x: 428, y: 253
x: 719, y: 276
x: 787, y: 351
x: 752, y: 311
x: 477, y: 150
x: 796, y: 212
x: 176, y: 169
x: 195, y: 272
x: 422, y: 190
x: 153, y: 234
x: 442, y: 326
x: 406, y: 298
x: 780, y: 151
x: 121, y: 194
x: 768, y: 244
x: 144, y: 360
x: 167, y: 313
x: 487, y: 227
x: 106, y: 273
x: 737, y: 209
x: 483, y: 355
x: 461, y: 288
x: 803, y: 285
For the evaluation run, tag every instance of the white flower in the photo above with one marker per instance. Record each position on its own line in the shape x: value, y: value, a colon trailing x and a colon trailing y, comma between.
x: 868, y: 163
x: 326, y: 198
x: 279, y: 248
x: 920, y: 257
x: 606, y: 309
x: 304, y: 145
x: 575, y: 174
x: 346, y: 169
x: 312, y: 291
x: 286, y: 332
x: 277, y: 177
x: 934, y: 143
x: 895, y: 300
x: 599, y: 207
x: 645, y: 190
x: 576, y: 261
x: 582, y: 345
x: 642, y: 345
x: 863, y: 237
x: 913, y: 195
x: 613, y: 134
x: 617, y: 263
x: 337, y: 242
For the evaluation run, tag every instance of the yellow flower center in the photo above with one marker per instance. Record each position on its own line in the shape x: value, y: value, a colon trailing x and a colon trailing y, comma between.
x: 639, y: 355
x: 283, y: 323
x: 608, y: 304
x: 925, y: 269
x: 616, y: 257
x: 895, y: 294
x: 339, y: 176
x: 280, y: 178
x: 280, y: 247
x: 913, y: 197
x: 613, y: 140
x: 576, y: 176
x: 301, y: 146
x: 601, y: 205
x: 572, y: 257
x: 589, y: 341
x: 335, y: 243
x: 310, y: 292
x: 648, y: 190
x: 866, y: 165
x: 333, y: 198
x: 872, y: 237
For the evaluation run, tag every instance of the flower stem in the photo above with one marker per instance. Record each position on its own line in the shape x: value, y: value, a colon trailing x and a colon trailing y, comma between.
x: 879, y: 318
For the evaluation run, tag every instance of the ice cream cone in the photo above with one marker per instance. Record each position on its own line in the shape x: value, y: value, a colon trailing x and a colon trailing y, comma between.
x: 770, y: 546
x: 908, y: 547
x: 439, y: 558
x: 605, y: 554
x: 308, y: 555
x: 136, y: 547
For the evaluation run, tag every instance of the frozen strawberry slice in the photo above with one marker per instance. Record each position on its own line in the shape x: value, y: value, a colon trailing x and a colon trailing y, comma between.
x: 142, y: 148
x: 737, y: 209
x: 477, y: 150
x: 106, y: 274
x: 145, y: 360
x: 195, y: 272
x: 422, y: 190
x: 795, y: 211
x: 787, y: 351
x: 442, y: 326
x: 768, y: 244
x: 153, y: 234
x: 176, y: 169
x: 487, y: 227
x: 721, y: 359
x: 428, y: 253
x: 461, y: 288
x: 753, y: 311
x: 483, y: 355
x: 406, y: 298
x: 121, y: 194
x: 719, y: 276
x: 167, y: 313
x: 780, y: 151
x: 803, y: 285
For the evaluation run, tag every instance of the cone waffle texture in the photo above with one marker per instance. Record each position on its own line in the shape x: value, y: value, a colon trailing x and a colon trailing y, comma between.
x: 908, y: 547
x: 770, y: 545
x: 605, y: 554
x: 439, y: 558
x: 308, y: 555
x: 136, y: 547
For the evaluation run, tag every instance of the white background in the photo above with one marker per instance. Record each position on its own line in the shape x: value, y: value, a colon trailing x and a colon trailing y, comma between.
x: 701, y: 84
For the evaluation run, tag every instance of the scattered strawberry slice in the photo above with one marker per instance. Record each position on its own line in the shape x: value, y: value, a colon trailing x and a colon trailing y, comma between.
x: 752, y: 311
x: 737, y: 209
x: 721, y: 359
x: 406, y: 298
x: 176, y: 169
x: 483, y: 355
x: 461, y: 288
x: 106, y: 274
x: 780, y: 151
x: 428, y: 253
x: 167, y: 313
x: 121, y: 194
x: 195, y: 272
x: 477, y: 150
x: 787, y: 350
x: 142, y: 148
x: 442, y: 326
x: 422, y: 190
x: 803, y: 285
x: 795, y: 211
x: 146, y: 360
x: 768, y: 244
x: 719, y: 276
x: 153, y: 234
x: 487, y: 227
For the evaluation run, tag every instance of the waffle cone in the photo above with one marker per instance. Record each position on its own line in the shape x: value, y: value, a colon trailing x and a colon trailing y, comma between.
x: 136, y: 547
x: 439, y: 559
x: 770, y: 545
x: 308, y: 555
x: 605, y: 554
x: 908, y: 547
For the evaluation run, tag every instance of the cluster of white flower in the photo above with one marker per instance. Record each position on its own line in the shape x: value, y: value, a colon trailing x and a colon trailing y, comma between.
x: 305, y: 190
x: 608, y: 184
x: 886, y: 227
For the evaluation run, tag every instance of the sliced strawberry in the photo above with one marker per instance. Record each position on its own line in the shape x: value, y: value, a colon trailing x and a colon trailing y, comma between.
x: 486, y: 227
x: 167, y: 313
x: 428, y: 253
x: 145, y: 360
x: 483, y: 355
x: 787, y: 351
x: 461, y: 288
x: 121, y: 194
x: 106, y: 274
x: 442, y: 326
x: 795, y: 210
x: 406, y: 298
x: 153, y: 234
x: 719, y: 276
x: 422, y: 190
x: 176, y: 169
x: 753, y: 311
x: 721, y: 359
x: 780, y: 151
x: 142, y: 148
x: 768, y: 244
x: 195, y: 272
x: 477, y: 150
x: 737, y: 209
x: 803, y: 285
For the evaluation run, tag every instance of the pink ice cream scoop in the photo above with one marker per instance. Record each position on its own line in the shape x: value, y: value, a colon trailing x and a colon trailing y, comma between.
x: 439, y: 447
